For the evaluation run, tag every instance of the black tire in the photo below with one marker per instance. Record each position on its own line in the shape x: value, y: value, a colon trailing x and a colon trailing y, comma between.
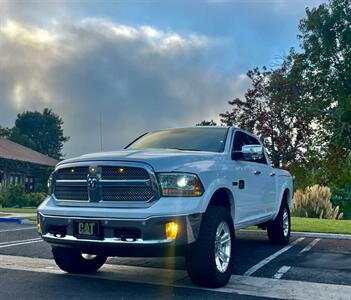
x: 201, y: 258
x: 72, y: 261
x: 276, y: 232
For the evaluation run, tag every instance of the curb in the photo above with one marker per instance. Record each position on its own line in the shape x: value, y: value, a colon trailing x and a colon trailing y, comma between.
x: 334, y: 236
x: 11, y: 220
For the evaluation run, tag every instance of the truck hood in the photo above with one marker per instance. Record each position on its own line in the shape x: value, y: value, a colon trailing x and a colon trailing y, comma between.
x: 162, y: 160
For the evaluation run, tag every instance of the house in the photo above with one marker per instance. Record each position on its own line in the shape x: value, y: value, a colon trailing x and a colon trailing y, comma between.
x: 21, y: 165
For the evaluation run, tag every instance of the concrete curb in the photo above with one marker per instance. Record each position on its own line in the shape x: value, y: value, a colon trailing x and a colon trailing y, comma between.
x: 335, y: 236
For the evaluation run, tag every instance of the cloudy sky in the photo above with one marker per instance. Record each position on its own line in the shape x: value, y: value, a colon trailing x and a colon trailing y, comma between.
x: 142, y: 65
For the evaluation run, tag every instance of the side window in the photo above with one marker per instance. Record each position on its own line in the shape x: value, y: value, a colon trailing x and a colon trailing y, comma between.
x: 254, y: 141
x: 239, y: 141
x: 242, y: 139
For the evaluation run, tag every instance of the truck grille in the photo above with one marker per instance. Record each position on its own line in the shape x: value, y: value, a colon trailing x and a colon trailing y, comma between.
x: 114, y: 183
x: 71, y: 193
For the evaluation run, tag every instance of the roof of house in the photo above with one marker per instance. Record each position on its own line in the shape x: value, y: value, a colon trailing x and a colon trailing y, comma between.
x: 14, y: 151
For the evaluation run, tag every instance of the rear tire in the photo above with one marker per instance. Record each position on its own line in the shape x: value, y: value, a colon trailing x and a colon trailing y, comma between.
x: 279, y: 229
x: 209, y: 260
x: 73, y: 261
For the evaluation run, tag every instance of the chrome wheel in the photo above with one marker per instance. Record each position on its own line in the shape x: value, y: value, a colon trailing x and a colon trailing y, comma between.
x: 285, y: 223
x: 222, y: 247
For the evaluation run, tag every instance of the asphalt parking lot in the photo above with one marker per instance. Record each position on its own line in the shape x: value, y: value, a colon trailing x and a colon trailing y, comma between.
x: 309, y: 267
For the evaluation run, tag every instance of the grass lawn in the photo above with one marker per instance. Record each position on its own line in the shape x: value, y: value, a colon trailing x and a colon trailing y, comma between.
x: 18, y: 210
x: 320, y: 225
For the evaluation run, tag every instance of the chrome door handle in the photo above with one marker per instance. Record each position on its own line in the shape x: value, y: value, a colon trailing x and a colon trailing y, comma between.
x: 272, y: 174
x: 257, y: 172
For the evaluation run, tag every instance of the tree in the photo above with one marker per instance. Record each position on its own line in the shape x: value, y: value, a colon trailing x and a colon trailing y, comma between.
x: 273, y: 109
x: 40, y: 131
x: 326, y: 43
x: 207, y: 123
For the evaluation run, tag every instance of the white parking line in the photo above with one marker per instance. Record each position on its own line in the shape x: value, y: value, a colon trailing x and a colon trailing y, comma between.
x: 244, y: 285
x: 280, y: 273
x: 310, y: 246
x: 17, y: 229
x: 21, y: 242
x: 262, y: 263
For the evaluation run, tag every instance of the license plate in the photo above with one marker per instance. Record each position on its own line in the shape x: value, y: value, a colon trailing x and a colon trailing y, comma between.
x: 87, y: 230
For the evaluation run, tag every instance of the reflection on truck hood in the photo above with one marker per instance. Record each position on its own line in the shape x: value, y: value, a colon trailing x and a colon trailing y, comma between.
x: 162, y: 160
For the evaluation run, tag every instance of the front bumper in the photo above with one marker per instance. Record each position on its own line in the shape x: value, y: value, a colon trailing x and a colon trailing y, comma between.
x: 123, y: 237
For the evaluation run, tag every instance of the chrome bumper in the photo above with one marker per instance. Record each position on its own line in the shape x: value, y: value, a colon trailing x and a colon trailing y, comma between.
x: 151, y: 233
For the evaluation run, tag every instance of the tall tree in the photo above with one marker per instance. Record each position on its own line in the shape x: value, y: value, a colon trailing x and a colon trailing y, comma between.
x: 326, y: 43
x: 272, y: 109
x: 42, y: 132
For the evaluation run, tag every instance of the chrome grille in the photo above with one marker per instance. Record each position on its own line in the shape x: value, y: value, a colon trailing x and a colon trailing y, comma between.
x: 115, y: 184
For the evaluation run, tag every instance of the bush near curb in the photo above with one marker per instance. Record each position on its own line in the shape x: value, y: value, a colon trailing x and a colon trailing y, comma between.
x: 314, y: 202
x: 15, y: 196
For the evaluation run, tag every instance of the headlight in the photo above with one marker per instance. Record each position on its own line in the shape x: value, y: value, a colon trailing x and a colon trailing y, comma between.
x: 180, y: 184
x: 50, y: 184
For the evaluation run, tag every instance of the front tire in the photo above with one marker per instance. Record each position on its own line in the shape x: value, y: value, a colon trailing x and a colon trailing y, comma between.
x: 73, y: 261
x: 209, y: 260
x: 279, y: 229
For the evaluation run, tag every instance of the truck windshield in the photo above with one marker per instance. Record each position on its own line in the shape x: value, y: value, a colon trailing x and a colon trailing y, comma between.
x: 210, y: 139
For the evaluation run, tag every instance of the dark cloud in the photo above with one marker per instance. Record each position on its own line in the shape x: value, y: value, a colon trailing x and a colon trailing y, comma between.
x: 138, y: 78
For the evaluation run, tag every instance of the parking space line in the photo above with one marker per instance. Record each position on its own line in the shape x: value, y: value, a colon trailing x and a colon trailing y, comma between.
x: 280, y: 273
x: 22, y: 242
x: 262, y: 263
x: 310, y: 246
x: 243, y: 285
x: 19, y: 241
x: 17, y: 229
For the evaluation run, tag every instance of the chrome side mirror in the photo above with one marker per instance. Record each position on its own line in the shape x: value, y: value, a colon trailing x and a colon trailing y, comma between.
x: 252, y: 152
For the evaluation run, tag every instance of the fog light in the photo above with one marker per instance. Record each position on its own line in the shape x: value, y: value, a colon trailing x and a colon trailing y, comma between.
x: 171, y: 230
x: 38, y: 224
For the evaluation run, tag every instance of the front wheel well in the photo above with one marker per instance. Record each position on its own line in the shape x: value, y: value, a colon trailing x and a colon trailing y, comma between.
x: 222, y: 197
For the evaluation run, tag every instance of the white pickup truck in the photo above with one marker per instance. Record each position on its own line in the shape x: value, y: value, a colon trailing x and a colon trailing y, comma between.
x: 171, y: 192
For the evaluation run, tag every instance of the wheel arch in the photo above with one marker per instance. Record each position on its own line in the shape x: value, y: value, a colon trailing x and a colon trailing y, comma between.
x: 222, y: 196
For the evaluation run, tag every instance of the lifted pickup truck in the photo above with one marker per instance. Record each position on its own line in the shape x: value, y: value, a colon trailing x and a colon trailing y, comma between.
x: 172, y: 192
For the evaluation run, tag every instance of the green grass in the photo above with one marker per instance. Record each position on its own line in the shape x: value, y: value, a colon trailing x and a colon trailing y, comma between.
x: 318, y: 225
x: 17, y: 210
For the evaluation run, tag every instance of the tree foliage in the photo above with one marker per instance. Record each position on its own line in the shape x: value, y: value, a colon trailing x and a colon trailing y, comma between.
x: 42, y: 132
x: 207, y: 123
x: 326, y: 43
x: 273, y: 109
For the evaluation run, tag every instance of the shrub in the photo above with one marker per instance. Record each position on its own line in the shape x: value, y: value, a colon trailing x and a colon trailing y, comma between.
x: 15, y: 196
x: 341, y: 196
x: 12, y: 196
x: 34, y: 199
x: 314, y: 202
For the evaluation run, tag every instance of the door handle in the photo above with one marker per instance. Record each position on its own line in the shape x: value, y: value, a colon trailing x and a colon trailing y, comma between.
x: 272, y: 174
x: 257, y: 172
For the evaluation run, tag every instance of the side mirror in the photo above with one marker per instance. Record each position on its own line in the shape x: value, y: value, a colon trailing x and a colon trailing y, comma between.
x: 252, y: 152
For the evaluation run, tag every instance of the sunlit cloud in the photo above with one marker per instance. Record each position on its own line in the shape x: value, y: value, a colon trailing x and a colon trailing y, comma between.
x: 139, y: 78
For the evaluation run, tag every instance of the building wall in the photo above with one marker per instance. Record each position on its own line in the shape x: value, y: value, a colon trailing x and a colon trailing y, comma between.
x: 33, y: 177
